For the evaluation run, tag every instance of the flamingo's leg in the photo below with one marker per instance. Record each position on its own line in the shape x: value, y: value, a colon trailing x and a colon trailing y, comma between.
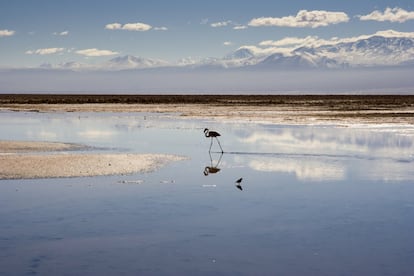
x: 219, y: 145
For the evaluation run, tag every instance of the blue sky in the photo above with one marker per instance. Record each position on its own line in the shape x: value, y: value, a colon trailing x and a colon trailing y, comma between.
x: 44, y: 31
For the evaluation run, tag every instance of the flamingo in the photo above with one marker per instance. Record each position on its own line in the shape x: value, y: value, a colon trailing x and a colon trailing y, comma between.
x: 213, y: 134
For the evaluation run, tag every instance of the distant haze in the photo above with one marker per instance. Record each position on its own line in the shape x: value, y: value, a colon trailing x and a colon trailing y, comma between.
x: 355, y: 81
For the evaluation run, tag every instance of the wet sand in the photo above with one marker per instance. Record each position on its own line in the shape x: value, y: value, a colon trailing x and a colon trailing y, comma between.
x: 45, y: 160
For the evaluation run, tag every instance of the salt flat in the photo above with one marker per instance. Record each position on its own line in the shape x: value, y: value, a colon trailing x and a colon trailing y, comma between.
x: 19, y: 159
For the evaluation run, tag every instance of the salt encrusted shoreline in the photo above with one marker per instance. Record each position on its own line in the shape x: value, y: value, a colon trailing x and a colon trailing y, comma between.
x: 18, y: 160
x: 36, y: 146
x: 271, y: 114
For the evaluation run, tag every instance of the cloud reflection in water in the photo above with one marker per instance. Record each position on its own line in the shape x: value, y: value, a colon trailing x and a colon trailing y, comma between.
x: 96, y: 133
x: 331, y: 153
x: 304, y: 169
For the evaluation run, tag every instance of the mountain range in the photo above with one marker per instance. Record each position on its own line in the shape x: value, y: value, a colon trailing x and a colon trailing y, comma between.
x: 388, y: 48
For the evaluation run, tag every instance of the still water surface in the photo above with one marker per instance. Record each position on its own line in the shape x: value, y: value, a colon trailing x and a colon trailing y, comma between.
x: 315, y: 200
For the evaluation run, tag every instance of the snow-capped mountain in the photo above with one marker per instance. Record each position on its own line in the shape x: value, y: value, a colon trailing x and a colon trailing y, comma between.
x: 302, y: 61
x: 74, y: 66
x: 376, y: 50
x: 127, y: 62
x: 241, y: 53
x: 132, y: 62
x: 385, y: 48
x: 242, y: 57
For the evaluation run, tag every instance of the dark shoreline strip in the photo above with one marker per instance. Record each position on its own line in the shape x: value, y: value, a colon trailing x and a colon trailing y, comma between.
x: 373, y: 101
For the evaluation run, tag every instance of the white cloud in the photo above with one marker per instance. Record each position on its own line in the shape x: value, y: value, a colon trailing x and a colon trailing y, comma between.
x: 140, y: 27
x: 390, y: 14
x: 304, y: 18
x: 392, y: 33
x: 227, y: 43
x: 6, y: 33
x: 292, y: 41
x: 386, y: 33
x: 236, y: 26
x: 239, y: 27
x: 220, y: 24
x: 93, y: 52
x: 288, y: 44
x: 113, y: 26
x: 64, y: 33
x: 45, y: 51
x: 160, y: 29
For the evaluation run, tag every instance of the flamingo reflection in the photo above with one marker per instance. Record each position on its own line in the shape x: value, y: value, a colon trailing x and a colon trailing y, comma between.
x: 213, y: 168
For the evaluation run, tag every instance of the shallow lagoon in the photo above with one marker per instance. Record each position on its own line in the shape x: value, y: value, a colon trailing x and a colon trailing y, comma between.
x: 316, y: 200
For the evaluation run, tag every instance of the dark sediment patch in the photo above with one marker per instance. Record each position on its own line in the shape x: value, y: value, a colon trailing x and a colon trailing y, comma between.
x: 324, y: 102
